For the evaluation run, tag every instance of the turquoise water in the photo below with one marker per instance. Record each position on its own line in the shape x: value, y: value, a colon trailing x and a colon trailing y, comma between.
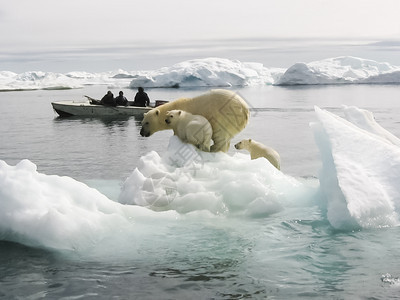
x: 280, y: 257
x: 294, y: 253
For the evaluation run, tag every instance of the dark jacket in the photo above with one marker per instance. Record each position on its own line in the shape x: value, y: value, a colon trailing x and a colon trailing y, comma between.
x: 141, y: 99
x: 121, y: 100
x: 108, y: 99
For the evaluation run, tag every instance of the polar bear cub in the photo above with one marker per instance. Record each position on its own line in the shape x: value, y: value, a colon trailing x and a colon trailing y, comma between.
x: 193, y: 129
x: 257, y: 150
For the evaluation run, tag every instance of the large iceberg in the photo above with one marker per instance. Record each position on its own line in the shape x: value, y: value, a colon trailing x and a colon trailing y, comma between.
x: 361, y: 170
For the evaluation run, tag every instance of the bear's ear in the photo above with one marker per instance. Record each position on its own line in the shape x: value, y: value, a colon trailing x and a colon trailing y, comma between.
x: 179, y: 113
x: 157, y: 112
x: 249, y: 140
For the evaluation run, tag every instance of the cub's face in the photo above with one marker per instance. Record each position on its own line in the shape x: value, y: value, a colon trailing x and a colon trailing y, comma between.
x: 149, y: 122
x: 243, y: 144
x: 172, y: 116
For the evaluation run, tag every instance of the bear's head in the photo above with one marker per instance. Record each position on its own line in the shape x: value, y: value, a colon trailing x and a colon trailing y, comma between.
x: 150, y: 122
x: 243, y: 144
x: 172, y: 116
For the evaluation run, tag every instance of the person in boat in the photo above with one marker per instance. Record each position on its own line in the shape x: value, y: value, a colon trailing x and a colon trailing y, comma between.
x: 141, y: 98
x: 108, y: 99
x: 121, y: 100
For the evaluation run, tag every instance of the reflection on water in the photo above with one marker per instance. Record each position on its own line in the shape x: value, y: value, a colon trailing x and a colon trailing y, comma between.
x: 99, y: 144
x: 121, y: 121
x: 107, y: 120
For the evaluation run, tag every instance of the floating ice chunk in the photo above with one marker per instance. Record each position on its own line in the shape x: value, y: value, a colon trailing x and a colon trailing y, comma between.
x: 59, y: 212
x: 361, y: 170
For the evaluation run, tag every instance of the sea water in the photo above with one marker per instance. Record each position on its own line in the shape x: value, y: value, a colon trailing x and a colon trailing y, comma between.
x: 92, y: 247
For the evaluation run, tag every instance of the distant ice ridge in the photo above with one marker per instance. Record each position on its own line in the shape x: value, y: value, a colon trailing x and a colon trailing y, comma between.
x: 340, y: 70
x: 214, y: 72
x: 361, y: 170
x: 223, y: 72
x: 38, y: 80
x: 209, y: 72
x: 10, y: 81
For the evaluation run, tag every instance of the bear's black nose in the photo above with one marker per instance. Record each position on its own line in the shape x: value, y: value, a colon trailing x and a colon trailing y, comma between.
x: 167, y: 121
x: 144, y: 133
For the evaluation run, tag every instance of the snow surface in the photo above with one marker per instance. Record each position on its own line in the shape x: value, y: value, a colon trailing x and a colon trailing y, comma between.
x: 214, y: 72
x: 185, y: 180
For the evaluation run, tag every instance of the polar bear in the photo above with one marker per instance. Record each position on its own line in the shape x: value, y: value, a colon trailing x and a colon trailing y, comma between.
x: 193, y: 129
x: 257, y: 150
x: 226, y: 111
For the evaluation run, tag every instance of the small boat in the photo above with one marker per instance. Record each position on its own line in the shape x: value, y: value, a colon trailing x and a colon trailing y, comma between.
x: 92, y: 108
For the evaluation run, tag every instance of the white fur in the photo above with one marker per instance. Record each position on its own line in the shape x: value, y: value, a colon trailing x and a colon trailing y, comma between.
x: 193, y: 129
x: 257, y: 150
x: 226, y: 111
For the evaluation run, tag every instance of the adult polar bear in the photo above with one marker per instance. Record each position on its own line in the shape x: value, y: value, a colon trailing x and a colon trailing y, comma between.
x: 226, y: 111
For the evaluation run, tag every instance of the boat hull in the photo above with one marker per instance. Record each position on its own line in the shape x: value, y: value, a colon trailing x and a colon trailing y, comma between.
x: 71, y: 108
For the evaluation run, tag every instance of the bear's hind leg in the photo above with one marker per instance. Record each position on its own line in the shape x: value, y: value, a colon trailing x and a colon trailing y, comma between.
x: 194, y: 135
x: 204, y: 147
x: 221, y: 146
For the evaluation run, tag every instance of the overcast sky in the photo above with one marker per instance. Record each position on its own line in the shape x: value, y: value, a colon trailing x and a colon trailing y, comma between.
x: 55, y: 23
x: 101, y: 35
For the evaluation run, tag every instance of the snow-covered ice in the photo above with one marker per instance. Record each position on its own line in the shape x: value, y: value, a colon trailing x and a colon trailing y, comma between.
x: 185, y: 179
